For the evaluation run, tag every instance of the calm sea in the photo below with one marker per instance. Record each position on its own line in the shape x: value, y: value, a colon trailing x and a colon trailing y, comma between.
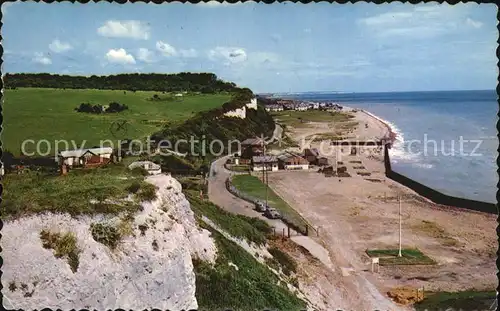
x: 446, y: 140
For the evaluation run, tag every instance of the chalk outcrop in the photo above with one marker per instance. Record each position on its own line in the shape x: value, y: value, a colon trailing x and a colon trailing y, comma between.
x: 150, y: 270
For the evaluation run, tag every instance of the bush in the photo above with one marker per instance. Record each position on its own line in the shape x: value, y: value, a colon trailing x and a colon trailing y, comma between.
x: 105, y: 234
x: 116, y: 107
x: 147, y: 192
x: 286, y: 262
x: 64, y: 245
x: 140, y: 171
x: 134, y: 187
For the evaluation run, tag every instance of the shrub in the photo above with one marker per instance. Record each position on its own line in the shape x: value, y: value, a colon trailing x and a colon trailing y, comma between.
x: 105, y: 234
x: 139, y: 171
x: 143, y: 229
x: 12, y: 286
x: 286, y: 262
x: 155, y: 245
x: 64, y: 245
x: 116, y: 107
x: 147, y: 192
x: 134, y: 187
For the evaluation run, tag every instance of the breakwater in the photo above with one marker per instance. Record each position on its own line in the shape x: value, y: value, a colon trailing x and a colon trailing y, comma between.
x: 432, y: 194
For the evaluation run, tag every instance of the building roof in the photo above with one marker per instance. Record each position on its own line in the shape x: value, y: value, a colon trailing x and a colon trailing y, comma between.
x: 287, y: 155
x: 77, y: 153
x: 311, y: 152
x: 252, y: 142
x: 264, y: 159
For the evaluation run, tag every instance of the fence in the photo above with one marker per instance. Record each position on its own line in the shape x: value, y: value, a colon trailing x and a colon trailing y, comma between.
x: 434, y: 195
x: 253, y: 200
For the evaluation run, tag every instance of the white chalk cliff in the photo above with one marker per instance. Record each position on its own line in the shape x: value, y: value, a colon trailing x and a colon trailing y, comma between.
x: 133, y: 276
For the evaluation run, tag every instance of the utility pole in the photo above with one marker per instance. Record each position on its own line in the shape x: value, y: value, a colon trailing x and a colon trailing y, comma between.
x: 265, y: 172
x: 336, y: 161
x: 399, y: 254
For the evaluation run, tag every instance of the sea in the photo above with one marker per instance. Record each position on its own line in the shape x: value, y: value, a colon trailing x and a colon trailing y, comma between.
x: 446, y: 140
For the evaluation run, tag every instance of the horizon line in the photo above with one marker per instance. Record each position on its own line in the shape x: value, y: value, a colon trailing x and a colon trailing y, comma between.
x: 371, y: 92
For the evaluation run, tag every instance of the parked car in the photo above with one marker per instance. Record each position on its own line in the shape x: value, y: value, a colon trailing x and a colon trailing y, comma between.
x: 260, y: 207
x: 272, y: 213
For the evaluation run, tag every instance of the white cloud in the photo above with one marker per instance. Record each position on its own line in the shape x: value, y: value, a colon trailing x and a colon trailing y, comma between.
x: 41, y: 59
x: 188, y: 53
x: 124, y: 29
x: 166, y: 49
x: 119, y: 56
x: 419, y: 22
x: 473, y: 23
x: 229, y: 54
x: 59, y: 47
x: 145, y: 55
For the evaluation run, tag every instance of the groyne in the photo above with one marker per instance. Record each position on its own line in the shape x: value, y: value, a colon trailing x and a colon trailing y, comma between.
x: 432, y: 194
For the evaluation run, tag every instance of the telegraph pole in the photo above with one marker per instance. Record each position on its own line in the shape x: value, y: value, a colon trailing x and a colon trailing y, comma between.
x: 399, y: 254
x: 265, y: 168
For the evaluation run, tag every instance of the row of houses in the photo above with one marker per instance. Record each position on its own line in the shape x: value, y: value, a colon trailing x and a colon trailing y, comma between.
x: 288, y: 160
x: 96, y: 157
x: 302, y: 106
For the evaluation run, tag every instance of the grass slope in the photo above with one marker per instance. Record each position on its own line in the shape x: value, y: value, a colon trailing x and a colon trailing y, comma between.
x: 252, y: 287
x: 34, y: 192
x: 35, y: 113
x: 252, y: 229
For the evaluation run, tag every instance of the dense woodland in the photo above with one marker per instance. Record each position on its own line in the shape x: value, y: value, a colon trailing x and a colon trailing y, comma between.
x: 184, y: 81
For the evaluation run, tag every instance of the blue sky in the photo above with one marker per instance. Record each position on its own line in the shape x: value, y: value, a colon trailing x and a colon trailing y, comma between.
x: 270, y: 48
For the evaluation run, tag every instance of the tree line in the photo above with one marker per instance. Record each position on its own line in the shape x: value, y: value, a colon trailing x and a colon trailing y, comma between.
x: 184, y: 81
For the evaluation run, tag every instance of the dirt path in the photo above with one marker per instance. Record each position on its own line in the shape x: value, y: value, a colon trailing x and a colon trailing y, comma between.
x: 351, y: 271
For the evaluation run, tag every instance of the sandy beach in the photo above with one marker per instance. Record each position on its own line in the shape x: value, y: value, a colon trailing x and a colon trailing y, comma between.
x: 362, y: 212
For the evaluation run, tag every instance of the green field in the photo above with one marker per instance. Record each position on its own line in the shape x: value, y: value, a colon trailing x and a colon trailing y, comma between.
x: 301, y: 118
x: 467, y: 300
x: 408, y: 257
x: 253, y: 186
x: 35, y: 113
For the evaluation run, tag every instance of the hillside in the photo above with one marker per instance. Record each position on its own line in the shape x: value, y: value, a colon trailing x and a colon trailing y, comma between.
x: 110, y: 238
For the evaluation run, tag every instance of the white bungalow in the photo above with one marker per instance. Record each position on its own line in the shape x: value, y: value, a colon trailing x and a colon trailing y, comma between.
x: 79, y: 157
x: 264, y: 163
x: 151, y: 167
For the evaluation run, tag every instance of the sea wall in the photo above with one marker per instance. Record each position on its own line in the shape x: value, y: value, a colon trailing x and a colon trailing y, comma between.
x: 434, y: 195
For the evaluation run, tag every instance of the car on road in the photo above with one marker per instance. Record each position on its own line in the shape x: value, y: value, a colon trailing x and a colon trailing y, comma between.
x: 272, y: 213
x: 260, y: 206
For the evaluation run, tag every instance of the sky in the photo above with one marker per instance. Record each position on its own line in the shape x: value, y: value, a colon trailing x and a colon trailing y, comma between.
x: 281, y: 47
